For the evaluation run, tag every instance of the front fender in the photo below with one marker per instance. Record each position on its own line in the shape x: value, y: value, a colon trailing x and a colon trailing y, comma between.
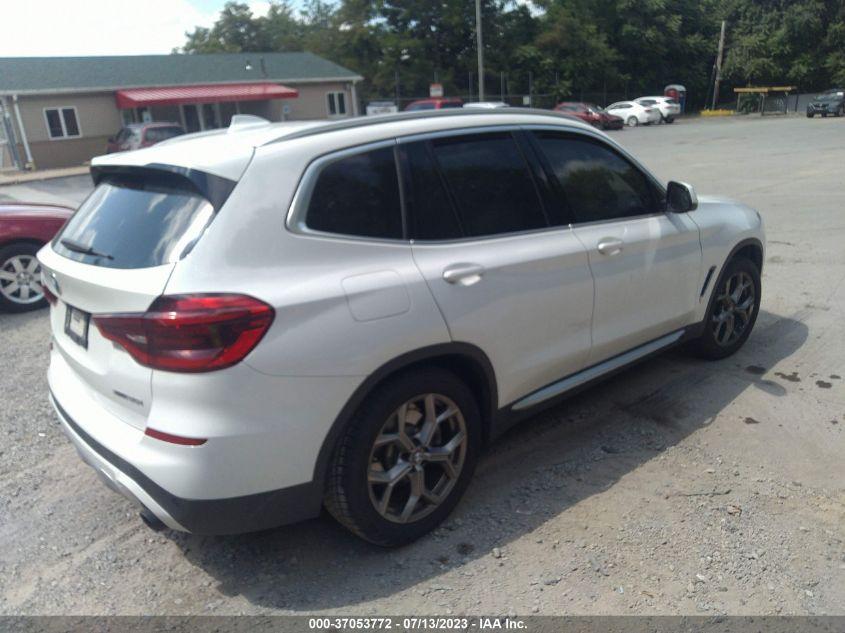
x: 725, y: 227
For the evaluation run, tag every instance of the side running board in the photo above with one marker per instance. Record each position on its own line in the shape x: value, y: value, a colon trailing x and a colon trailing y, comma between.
x: 586, y: 375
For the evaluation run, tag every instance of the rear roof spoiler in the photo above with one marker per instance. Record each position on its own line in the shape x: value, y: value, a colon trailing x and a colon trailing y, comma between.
x: 215, y: 189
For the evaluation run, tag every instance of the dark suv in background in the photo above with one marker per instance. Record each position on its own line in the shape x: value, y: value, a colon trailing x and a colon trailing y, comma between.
x: 138, y: 135
x: 828, y: 102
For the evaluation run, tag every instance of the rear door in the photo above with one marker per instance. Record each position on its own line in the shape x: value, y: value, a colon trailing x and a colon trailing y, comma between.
x: 504, y: 279
x: 115, y: 255
x: 645, y: 261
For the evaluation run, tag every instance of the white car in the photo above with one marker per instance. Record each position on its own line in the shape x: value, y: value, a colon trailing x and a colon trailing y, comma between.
x: 488, y: 105
x: 251, y: 323
x: 668, y: 108
x: 633, y: 113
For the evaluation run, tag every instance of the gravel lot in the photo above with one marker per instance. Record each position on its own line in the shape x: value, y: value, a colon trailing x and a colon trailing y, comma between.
x: 680, y: 487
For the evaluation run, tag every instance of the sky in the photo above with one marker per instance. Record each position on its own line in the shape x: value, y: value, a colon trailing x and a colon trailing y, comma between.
x: 47, y: 28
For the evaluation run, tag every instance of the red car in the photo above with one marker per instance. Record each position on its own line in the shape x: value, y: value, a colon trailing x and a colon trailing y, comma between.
x: 24, y: 229
x: 436, y: 103
x: 592, y: 114
x: 138, y: 135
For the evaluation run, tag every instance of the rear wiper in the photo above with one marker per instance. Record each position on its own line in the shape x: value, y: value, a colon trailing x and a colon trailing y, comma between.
x: 85, y: 250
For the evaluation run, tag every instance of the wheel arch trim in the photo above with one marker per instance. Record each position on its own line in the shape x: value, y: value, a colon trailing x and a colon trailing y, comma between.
x: 751, y: 241
x: 488, y: 399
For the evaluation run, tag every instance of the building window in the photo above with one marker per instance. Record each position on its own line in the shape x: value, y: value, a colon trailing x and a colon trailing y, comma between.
x: 62, y: 122
x: 336, y: 103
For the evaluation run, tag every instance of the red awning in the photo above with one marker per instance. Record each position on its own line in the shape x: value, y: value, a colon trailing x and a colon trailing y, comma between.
x: 213, y: 93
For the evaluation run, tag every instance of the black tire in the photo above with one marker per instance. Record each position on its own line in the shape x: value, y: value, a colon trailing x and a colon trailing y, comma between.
x: 632, y: 121
x: 670, y: 119
x: 707, y: 346
x: 810, y: 115
x: 9, y: 253
x: 348, y: 495
x: 824, y: 115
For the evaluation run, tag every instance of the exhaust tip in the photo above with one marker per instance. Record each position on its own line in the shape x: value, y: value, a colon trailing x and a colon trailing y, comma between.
x: 151, y: 520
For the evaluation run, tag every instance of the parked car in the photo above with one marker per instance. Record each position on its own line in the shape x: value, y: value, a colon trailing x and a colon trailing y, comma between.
x: 633, y: 113
x: 828, y: 102
x: 254, y: 324
x: 137, y: 135
x: 591, y: 114
x: 435, y: 103
x: 24, y: 228
x: 486, y: 105
x: 667, y: 107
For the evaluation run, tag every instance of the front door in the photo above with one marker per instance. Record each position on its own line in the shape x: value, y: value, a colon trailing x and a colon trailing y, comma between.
x: 645, y: 262
x: 504, y: 280
x: 191, y: 118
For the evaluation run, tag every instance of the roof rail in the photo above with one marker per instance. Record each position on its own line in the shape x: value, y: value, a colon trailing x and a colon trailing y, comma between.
x: 364, y: 121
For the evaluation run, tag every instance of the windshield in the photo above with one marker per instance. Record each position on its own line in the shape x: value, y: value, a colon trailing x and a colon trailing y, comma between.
x: 134, y: 225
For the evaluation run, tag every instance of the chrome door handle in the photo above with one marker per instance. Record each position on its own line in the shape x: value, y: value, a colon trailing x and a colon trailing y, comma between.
x: 610, y: 246
x: 463, y: 274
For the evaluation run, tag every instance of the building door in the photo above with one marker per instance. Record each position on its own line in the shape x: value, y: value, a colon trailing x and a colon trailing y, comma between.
x: 191, y: 118
x: 210, y: 116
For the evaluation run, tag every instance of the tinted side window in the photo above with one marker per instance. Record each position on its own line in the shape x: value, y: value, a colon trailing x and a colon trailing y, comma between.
x: 432, y: 213
x: 490, y: 182
x: 598, y: 183
x: 358, y: 195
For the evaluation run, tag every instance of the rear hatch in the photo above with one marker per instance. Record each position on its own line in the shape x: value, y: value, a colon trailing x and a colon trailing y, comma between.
x: 115, y: 255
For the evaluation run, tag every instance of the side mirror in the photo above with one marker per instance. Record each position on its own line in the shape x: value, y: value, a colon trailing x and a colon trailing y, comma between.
x: 680, y: 197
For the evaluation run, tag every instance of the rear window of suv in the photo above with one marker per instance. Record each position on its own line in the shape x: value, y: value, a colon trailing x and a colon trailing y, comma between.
x: 134, y: 224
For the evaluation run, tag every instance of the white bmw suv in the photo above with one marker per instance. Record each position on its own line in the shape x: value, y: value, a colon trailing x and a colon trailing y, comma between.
x: 253, y: 323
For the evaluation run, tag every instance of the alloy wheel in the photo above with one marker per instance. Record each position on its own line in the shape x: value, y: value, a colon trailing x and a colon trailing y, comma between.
x: 734, y: 309
x: 20, y: 280
x: 417, y: 458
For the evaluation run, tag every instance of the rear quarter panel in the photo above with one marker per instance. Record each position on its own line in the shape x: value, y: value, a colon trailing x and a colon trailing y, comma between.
x: 343, y: 306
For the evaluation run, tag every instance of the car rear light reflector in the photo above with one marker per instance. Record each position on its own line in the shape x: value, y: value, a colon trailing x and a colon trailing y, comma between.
x: 190, y: 333
x: 174, y: 439
x: 49, y: 296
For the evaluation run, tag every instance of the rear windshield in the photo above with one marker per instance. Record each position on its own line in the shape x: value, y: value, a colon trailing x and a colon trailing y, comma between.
x: 134, y: 225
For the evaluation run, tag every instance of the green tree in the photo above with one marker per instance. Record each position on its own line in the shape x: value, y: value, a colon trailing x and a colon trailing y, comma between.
x: 236, y: 30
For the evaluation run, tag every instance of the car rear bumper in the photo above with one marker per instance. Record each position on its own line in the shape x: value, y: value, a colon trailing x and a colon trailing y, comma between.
x: 200, y: 516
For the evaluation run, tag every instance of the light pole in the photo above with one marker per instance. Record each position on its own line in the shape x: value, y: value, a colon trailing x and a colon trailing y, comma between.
x: 480, y: 50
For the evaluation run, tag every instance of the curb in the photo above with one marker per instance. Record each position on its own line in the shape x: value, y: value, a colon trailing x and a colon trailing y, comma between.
x: 37, y: 177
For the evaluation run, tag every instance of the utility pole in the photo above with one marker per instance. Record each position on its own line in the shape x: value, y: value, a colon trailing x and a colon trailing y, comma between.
x: 719, y: 66
x: 480, y: 50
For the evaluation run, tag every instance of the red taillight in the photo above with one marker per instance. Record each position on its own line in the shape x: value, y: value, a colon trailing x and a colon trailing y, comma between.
x: 190, y: 333
x: 174, y: 439
x: 49, y: 296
